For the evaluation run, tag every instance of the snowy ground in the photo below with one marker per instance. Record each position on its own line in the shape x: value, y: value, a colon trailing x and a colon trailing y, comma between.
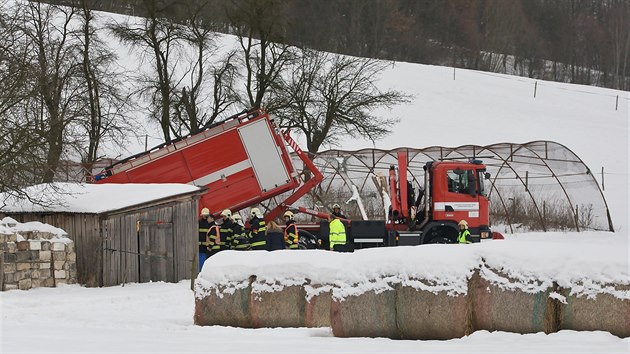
x: 157, y: 318
x: 473, y: 108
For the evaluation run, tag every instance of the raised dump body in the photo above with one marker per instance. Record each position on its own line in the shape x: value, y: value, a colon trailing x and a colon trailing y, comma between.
x: 242, y: 161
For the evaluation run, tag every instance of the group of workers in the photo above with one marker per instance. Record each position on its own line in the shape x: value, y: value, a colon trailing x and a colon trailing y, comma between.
x: 227, y: 231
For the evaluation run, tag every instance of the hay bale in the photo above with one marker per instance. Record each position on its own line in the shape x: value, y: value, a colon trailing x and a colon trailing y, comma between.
x: 283, y: 308
x: 318, y: 310
x: 603, y: 313
x: 496, y: 309
x: 366, y: 315
x: 230, y: 309
x: 425, y: 315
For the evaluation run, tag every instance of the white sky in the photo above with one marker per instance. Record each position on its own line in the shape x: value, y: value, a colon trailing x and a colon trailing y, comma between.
x: 475, y: 108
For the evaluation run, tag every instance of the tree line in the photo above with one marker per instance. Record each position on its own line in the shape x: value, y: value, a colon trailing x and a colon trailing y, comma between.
x: 576, y: 41
x: 64, y: 91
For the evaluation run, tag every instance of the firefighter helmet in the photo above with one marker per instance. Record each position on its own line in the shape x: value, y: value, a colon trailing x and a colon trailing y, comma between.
x: 226, y: 213
x: 256, y: 213
x: 237, y: 217
x: 288, y: 214
x: 336, y: 206
x: 463, y: 223
x: 205, y: 212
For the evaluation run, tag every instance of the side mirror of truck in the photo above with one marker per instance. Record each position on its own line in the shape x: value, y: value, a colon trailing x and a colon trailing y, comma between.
x: 486, y: 175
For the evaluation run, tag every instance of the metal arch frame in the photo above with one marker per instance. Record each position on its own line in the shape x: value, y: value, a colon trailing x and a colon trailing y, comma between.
x: 504, y: 158
x: 506, y: 163
x: 553, y: 174
x: 610, y: 225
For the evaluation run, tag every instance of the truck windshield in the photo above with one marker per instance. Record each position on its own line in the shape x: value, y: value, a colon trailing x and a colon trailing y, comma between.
x: 459, y: 181
x: 481, y: 179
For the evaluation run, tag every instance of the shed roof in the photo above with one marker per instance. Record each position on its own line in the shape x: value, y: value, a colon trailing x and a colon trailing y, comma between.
x: 90, y: 198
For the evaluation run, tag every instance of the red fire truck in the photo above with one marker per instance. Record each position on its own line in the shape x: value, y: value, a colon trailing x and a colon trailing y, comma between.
x: 241, y: 161
x: 244, y: 160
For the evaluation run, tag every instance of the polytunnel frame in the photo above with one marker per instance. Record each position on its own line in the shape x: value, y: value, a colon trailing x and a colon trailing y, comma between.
x: 445, y: 154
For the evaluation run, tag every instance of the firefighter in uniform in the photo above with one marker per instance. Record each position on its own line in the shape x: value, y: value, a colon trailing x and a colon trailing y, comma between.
x: 337, y: 235
x: 290, y: 232
x: 464, y: 233
x: 257, y: 230
x: 226, y: 229
x: 240, y: 239
x: 204, y: 226
x: 337, y: 211
x: 213, y: 238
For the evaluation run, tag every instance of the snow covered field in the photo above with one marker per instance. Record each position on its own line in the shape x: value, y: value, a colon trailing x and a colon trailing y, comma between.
x: 475, y: 108
x: 157, y: 318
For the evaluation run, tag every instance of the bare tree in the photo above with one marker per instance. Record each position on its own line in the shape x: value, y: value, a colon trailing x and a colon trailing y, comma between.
x: 260, y: 31
x: 55, y: 68
x: 220, y: 75
x: 158, y: 36
x: 22, y: 148
x: 333, y: 96
x: 105, y: 103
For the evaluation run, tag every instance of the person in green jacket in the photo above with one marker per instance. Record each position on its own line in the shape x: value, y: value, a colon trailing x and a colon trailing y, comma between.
x: 337, y: 234
x: 464, y: 233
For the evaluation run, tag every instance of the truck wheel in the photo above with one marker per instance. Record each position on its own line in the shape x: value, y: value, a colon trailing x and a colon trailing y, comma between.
x: 439, y: 233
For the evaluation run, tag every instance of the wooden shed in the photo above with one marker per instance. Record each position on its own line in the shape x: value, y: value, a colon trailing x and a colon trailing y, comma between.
x: 122, y: 232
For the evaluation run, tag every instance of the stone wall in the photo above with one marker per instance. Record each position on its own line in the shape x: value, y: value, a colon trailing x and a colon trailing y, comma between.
x: 36, y: 259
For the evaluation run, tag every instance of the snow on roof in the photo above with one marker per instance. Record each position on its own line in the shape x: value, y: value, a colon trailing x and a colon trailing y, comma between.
x: 585, y: 262
x: 9, y: 226
x: 90, y: 198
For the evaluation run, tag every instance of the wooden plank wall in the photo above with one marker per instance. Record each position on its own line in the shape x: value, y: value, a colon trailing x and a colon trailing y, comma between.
x: 162, y: 249
x: 84, y: 230
x: 110, y: 251
x: 184, y: 224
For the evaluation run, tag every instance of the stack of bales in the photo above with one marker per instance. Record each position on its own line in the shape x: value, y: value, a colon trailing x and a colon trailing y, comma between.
x: 400, y: 306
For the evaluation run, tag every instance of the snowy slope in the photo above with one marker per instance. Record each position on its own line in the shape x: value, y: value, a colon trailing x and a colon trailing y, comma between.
x: 475, y: 108
x: 459, y: 107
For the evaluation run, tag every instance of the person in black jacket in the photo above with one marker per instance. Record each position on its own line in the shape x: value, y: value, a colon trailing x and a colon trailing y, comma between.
x: 257, y: 228
x: 204, y: 226
x: 275, y: 237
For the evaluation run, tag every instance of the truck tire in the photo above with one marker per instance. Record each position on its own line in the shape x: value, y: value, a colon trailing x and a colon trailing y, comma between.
x: 439, y: 232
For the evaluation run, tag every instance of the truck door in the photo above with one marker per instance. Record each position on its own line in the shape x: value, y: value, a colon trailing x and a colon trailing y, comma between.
x: 460, y: 199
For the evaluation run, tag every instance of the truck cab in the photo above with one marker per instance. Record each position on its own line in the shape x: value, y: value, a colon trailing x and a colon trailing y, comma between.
x: 456, y: 193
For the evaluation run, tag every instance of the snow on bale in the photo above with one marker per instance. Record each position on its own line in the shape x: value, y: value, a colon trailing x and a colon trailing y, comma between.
x: 499, y: 305
x: 431, y: 315
x: 318, y: 304
x: 225, y: 306
x: 423, y: 292
x: 608, y: 310
x: 368, y: 314
x: 275, y: 305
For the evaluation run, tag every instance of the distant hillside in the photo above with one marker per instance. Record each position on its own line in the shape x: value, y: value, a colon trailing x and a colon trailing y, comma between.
x: 583, y: 42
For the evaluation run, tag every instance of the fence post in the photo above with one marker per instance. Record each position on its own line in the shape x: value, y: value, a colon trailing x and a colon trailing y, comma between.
x: 454, y: 75
x: 193, y: 267
x: 603, y: 187
x: 535, y: 88
x: 577, y: 218
x: 617, y: 103
x: 526, y: 181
